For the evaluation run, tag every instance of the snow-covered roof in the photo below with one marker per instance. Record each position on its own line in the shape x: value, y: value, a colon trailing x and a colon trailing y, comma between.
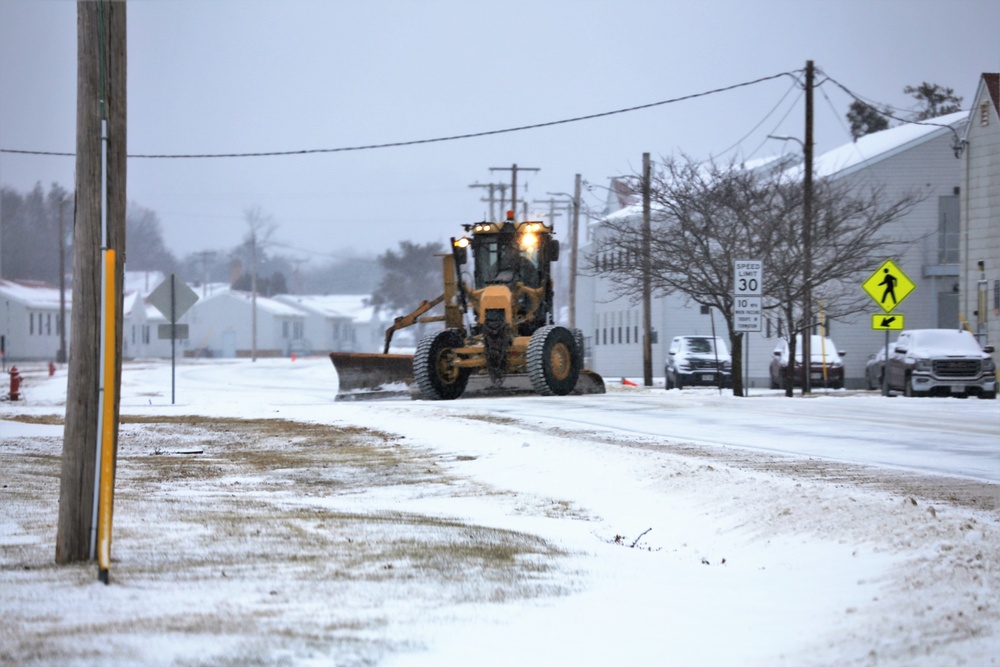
x: 352, y: 306
x: 881, y: 145
x: 143, y: 282
x: 265, y: 304
x: 33, y: 293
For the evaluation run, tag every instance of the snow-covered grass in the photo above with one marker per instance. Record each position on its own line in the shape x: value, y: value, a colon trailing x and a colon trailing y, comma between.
x: 257, y: 521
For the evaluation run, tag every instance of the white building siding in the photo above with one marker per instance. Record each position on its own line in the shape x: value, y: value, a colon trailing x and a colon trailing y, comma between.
x: 981, y: 219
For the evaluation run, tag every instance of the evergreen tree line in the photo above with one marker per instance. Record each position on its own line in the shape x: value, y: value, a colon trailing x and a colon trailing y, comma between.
x: 32, y: 222
x: 932, y: 100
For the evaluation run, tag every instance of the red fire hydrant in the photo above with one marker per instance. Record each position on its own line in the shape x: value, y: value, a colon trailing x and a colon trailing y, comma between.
x: 15, y: 384
x: 52, y: 368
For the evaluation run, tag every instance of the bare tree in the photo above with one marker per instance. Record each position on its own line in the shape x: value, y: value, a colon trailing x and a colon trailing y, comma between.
x: 706, y: 216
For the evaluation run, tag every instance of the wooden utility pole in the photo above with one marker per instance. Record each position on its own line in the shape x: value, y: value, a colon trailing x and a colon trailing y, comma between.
x: 492, y: 187
x: 61, y: 353
x: 513, y: 169
x: 807, y: 196
x: 647, y: 308
x: 574, y: 245
x: 100, y: 106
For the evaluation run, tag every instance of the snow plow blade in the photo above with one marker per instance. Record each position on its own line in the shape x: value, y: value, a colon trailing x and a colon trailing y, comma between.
x: 377, y: 376
x: 373, y: 375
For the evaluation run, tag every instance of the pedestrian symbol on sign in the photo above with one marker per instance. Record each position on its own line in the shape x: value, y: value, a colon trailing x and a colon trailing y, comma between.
x: 890, y: 287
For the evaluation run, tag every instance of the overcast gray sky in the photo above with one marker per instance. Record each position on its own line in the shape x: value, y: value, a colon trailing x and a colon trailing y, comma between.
x: 234, y: 76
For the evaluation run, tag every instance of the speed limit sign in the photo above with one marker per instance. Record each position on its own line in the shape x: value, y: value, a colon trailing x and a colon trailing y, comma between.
x: 748, y: 275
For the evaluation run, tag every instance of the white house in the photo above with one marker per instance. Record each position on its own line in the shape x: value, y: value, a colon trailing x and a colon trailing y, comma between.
x: 905, y: 159
x: 339, y: 323
x: 141, y: 320
x: 980, y: 229
x: 221, y: 325
x: 29, y: 320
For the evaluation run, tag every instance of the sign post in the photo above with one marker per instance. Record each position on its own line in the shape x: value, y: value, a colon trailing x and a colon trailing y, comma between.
x: 173, y: 298
x: 748, y: 297
x: 887, y: 287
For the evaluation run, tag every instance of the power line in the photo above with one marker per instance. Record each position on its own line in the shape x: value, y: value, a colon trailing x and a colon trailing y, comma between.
x: 857, y: 97
x: 416, y: 142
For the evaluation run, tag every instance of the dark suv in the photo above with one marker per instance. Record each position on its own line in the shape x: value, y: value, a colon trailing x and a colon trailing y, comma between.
x: 697, y: 360
x: 945, y: 362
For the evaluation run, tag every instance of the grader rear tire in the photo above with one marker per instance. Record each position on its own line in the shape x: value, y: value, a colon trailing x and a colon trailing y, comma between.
x: 433, y: 366
x: 553, y: 361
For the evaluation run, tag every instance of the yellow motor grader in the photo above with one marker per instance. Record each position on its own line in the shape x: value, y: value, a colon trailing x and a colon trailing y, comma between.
x: 499, y: 334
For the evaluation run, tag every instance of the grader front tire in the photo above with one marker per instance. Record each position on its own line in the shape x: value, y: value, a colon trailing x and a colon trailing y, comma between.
x: 433, y: 366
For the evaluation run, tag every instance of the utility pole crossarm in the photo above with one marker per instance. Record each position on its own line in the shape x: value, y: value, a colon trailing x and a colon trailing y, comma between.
x: 513, y: 169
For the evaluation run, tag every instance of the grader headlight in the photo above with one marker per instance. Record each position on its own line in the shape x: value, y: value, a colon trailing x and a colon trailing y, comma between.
x: 529, y: 241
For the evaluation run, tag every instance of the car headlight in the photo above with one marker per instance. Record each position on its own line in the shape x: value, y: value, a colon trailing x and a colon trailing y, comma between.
x: 989, y: 365
x: 685, y: 366
x: 922, y: 364
x: 727, y: 366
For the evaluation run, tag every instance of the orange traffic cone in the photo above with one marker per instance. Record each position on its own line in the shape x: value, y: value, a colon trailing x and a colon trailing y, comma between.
x: 628, y: 383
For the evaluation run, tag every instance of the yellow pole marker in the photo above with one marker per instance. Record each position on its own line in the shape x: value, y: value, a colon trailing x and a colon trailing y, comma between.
x: 107, y: 462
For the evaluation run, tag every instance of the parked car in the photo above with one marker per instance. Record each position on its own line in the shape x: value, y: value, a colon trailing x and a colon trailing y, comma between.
x: 944, y: 362
x: 825, y: 370
x: 876, y: 366
x: 698, y: 360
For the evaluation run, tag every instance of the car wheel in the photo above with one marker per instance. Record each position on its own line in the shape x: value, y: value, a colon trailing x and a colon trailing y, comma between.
x: 988, y: 394
x: 680, y: 383
x: 669, y: 382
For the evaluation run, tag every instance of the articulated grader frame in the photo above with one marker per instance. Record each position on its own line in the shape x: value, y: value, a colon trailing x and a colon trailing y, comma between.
x: 511, y: 344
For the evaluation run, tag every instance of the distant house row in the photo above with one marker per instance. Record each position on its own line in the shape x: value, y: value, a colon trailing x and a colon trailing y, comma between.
x: 220, y: 323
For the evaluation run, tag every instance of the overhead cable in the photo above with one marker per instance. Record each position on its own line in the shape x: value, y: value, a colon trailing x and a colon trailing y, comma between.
x: 415, y: 142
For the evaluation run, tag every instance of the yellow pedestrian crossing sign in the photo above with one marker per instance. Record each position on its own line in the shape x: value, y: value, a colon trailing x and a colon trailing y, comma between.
x: 888, y: 286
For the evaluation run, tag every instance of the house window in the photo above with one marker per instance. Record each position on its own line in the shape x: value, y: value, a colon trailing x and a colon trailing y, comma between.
x: 31, y: 324
x: 984, y: 114
x: 597, y: 336
x: 948, y: 229
x: 48, y: 324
